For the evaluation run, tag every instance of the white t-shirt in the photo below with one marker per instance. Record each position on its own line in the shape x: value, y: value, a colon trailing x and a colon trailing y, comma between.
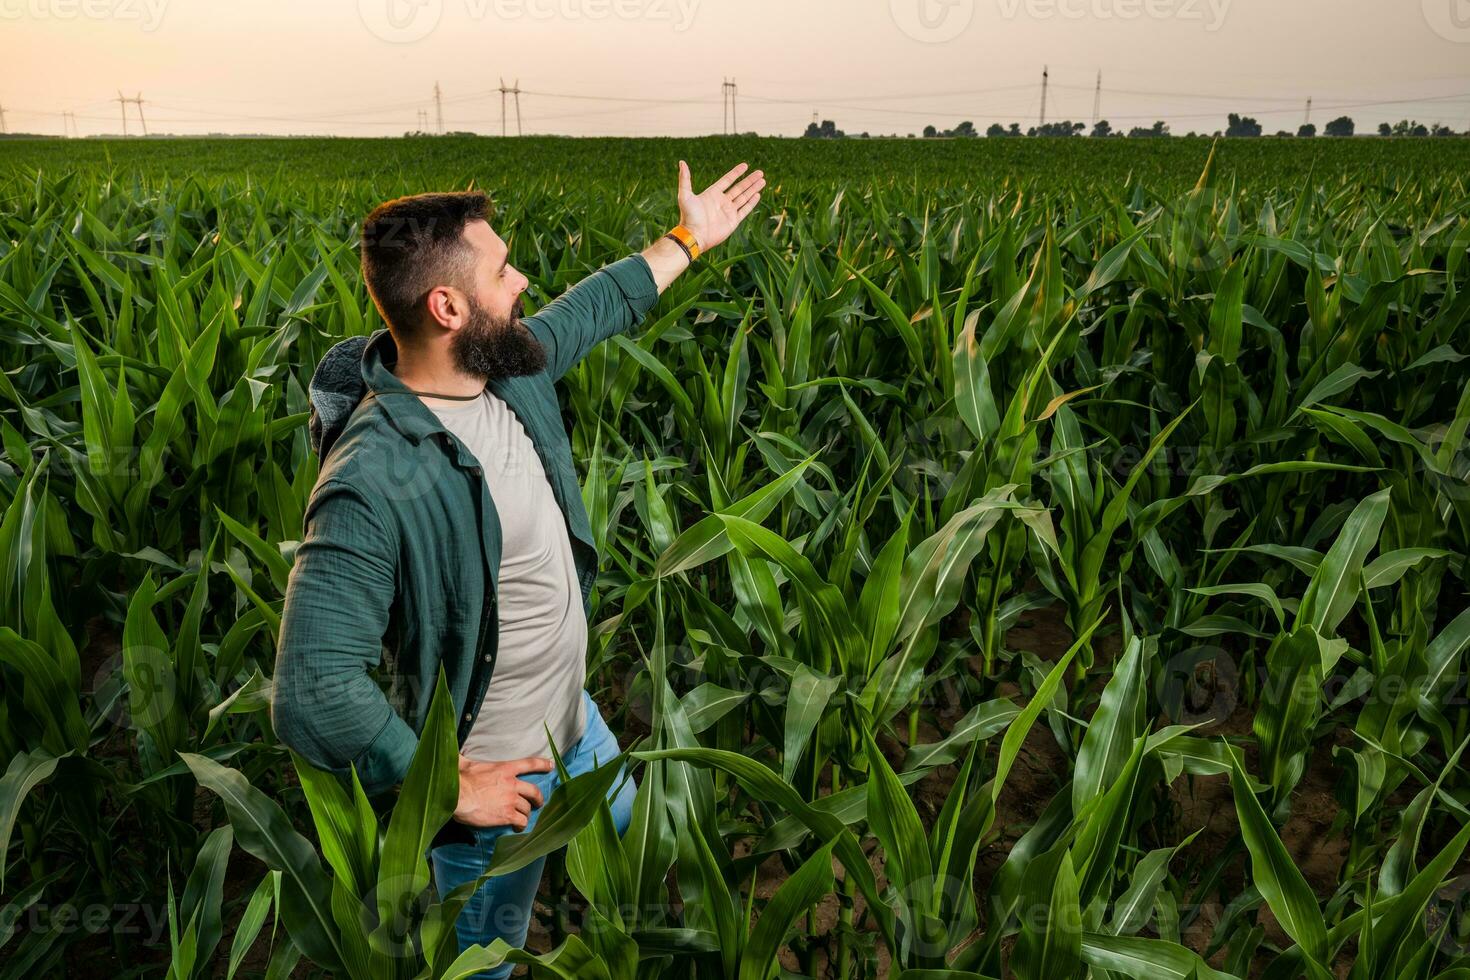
x: 541, y: 664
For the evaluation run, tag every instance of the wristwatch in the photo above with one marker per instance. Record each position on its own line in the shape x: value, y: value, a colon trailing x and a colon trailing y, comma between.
x: 686, y: 240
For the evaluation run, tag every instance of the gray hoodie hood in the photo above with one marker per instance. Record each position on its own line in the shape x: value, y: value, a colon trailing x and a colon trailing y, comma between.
x: 337, y: 386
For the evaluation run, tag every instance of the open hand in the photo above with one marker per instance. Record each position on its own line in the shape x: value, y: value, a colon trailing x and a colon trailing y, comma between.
x: 490, y: 795
x: 716, y: 211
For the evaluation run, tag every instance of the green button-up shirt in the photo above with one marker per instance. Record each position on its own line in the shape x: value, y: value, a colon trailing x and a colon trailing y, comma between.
x: 401, y: 553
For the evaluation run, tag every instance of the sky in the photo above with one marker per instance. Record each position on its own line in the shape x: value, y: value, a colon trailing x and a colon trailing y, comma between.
x: 656, y: 67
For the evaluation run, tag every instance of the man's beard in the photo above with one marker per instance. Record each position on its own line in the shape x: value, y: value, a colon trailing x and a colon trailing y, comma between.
x: 492, y: 347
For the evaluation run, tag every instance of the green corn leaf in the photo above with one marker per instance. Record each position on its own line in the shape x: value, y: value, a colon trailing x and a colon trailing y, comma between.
x: 1276, y: 875
x: 262, y: 828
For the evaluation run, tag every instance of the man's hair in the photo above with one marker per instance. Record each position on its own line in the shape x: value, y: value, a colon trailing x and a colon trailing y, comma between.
x: 412, y: 245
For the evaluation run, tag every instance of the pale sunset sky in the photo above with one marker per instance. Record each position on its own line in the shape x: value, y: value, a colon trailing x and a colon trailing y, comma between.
x: 655, y: 67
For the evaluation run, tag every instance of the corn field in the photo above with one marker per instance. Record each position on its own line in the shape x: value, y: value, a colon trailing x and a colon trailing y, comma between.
x: 1018, y: 559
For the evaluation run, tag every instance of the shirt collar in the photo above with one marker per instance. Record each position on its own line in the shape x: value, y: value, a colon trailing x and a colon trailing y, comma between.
x: 408, y: 414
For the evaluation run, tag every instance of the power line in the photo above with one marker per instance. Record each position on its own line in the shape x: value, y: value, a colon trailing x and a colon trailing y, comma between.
x: 1183, y: 95
x: 609, y: 98
x: 890, y: 97
x: 602, y: 104
x: 875, y: 109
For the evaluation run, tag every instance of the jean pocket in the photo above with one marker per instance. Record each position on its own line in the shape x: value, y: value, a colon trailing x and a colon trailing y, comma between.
x: 598, y: 745
x: 593, y: 714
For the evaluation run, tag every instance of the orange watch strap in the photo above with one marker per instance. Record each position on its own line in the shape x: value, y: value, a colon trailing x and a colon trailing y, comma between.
x: 686, y: 236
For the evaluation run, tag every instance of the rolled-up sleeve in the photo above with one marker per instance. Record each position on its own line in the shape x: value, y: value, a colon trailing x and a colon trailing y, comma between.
x: 610, y: 301
x: 325, y: 704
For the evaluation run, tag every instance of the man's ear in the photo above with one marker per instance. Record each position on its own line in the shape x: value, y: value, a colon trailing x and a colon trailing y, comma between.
x: 447, y: 307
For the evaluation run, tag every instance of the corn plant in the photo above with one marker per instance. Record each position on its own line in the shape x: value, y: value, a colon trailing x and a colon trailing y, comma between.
x: 1016, y: 560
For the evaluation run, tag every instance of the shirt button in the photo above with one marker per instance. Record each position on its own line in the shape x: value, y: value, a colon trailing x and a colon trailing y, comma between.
x: 467, y: 716
x: 486, y: 658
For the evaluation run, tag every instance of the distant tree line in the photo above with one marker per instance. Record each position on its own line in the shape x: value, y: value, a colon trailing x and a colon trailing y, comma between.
x: 1412, y: 127
x: 1236, y: 126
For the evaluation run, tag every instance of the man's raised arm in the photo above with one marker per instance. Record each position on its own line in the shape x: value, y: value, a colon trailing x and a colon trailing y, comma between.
x: 616, y: 297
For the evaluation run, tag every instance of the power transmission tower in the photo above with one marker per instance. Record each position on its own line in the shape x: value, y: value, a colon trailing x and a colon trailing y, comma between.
x: 439, y: 108
x: 1045, y: 80
x: 123, y: 103
x: 512, y: 90
x: 1308, y: 120
x: 1097, y: 100
x: 728, y: 91
x: 2, y: 120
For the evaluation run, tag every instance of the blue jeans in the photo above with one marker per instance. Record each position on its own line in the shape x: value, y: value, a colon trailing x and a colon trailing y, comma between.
x: 501, y: 908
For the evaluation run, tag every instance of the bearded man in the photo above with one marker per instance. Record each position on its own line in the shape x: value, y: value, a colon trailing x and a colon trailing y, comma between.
x: 446, y: 527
